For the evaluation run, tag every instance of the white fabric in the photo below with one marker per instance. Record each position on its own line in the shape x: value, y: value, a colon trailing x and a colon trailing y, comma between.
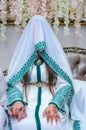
x: 78, y: 109
x: 80, y: 95
x: 38, y: 35
x: 38, y: 29
x: 29, y: 122
x: 3, y: 119
x: 3, y: 101
x: 3, y: 86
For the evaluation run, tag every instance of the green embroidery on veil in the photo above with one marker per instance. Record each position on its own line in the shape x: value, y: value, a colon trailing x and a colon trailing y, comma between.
x: 61, y: 72
x: 55, y: 67
x: 14, y: 94
x: 28, y: 64
x: 40, y: 46
x: 23, y: 70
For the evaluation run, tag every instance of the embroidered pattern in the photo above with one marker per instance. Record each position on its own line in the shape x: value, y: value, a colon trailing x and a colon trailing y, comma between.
x: 37, y: 118
x: 50, y: 62
x: 61, y: 72
x: 40, y: 46
x: 14, y: 94
x: 23, y: 70
x: 55, y: 67
x: 76, y: 125
x: 61, y: 97
x: 28, y: 64
x: 9, y: 121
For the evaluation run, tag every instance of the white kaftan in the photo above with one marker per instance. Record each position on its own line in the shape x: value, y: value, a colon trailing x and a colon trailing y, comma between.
x: 38, y: 100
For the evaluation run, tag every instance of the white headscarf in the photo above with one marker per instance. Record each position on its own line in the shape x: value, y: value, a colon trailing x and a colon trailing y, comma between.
x: 38, y: 35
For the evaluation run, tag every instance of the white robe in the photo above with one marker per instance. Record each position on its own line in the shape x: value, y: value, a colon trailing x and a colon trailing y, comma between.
x: 3, y: 86
x: 3, y: 101
x: 78, y: 107
x: 29, y: 122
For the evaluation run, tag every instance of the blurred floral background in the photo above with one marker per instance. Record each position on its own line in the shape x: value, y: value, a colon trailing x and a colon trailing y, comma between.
x: 55, y: 11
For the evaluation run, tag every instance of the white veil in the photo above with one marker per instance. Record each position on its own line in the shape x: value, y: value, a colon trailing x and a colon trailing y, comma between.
x: 38, y: 35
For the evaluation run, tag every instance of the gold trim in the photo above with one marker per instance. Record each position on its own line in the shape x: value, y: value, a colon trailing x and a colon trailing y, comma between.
x: 39, y: 84
x: 75, y: 50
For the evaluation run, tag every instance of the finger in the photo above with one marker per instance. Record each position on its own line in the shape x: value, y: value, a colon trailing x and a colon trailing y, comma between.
x: 16, y: 112
x: 13, y: 111
x: 51, y: 119
x: 19, y: 111
x: 22, y: 113
x: 44, y: 113
x: 48, y: 116
x: 51, y: 116
x: 19, y: 114
x: 10, y: 112
x: 57, y: 118
x: 23, y: 108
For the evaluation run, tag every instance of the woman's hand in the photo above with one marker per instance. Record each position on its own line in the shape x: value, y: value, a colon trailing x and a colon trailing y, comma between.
x: 51, y: 113
x: 17, y: 110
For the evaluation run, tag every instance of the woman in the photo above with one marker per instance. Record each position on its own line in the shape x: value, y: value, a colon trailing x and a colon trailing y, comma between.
x: 40, y: 87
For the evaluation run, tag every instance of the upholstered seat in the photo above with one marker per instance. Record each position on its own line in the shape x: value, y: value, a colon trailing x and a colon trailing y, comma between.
x: 77, y: 61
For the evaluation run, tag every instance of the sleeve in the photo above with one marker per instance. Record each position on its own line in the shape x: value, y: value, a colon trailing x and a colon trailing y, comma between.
x: 3, y: 87
x: 63, y: 95
x: 15, y: 93
x: 2, y: 84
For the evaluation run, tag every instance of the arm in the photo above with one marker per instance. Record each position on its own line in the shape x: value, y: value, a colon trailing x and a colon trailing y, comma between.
x: 63, y: 94
x: 14, y: 93
x: 16, y: 101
